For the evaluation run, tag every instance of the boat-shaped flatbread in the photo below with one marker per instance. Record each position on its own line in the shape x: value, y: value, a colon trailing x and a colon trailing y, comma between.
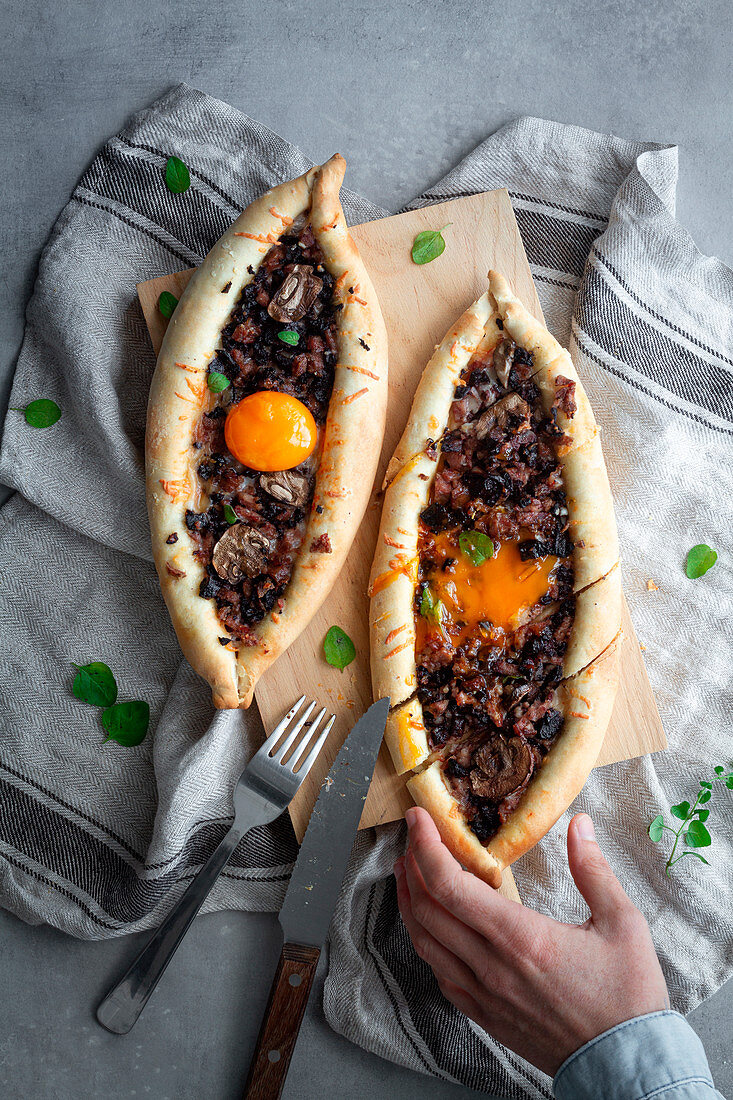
x: 265, y: 422
x: 495, y: 606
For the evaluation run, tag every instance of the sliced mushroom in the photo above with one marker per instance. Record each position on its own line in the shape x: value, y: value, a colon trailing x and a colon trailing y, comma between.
x: 241, y: 551
x: 286, y: 486
x: 502, y: 765
x: 296, y: 295
x: 299, y: 224
x: 510, y: 406
x: 503, y: 360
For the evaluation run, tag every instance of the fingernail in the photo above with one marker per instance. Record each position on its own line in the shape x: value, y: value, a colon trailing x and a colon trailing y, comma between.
x: 410, y: 816
x: 585, y: 827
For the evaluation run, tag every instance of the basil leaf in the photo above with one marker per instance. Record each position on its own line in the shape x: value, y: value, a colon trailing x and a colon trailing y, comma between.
x: 428, y: 245
x: 705, y: 797
x: 706, y: 784
x: 217, y: 382
x: 719, y: 770
x: 430, y: 608
x: 127, y: 723
x: 230, y: 515
x: 729, y: 782
x: 681, y: 810
x: 699, y: 559
x: 656, y: 828
x: 95, y: 684
x: 427, y: 603
x: 41, y: 413
x: 177, y: 176
x: 288, y: 336
x: 702, y: 815
x: 477, y: 546
x: 338, y: 648
x: 167, y: 302
x: 697, y: 835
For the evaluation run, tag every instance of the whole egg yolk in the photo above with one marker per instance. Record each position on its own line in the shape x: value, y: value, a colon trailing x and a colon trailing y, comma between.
x: 270, y: 431
x: 497, y: 591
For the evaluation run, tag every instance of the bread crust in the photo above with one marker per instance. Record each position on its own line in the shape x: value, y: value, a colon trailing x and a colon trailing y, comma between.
x: 592, y: 521
x: 393, y: 579
x: 349, y: 448
x: 592, y: 656
x: 597, y: 621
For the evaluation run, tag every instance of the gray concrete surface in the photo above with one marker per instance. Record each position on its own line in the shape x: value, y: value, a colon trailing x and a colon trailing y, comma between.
x: 403, y: 90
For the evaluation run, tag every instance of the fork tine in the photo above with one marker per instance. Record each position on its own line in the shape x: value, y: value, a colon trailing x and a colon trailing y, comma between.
x: 299, y: 752
x: 280, y: 728
x: 278, y: 757
x: 310, y: 759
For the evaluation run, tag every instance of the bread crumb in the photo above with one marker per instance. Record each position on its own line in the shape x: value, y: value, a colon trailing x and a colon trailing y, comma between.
x: 642, y: 647
x: 652, y: 587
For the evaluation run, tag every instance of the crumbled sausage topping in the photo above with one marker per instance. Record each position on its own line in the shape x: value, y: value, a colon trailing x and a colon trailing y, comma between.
x: 321, y: 545
x: 248, y: 566
x: 488, y: 695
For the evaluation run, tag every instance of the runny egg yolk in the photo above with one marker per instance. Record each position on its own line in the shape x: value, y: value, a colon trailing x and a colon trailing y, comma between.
x: 496, y: 592
x: 270, y: 431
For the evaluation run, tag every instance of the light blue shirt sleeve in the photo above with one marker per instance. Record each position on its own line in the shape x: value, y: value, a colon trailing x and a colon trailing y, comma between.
x: 653, y: 1057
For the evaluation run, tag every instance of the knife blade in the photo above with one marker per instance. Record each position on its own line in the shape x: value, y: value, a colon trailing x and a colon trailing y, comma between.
x: 311, y: 899
x: 316, y: 880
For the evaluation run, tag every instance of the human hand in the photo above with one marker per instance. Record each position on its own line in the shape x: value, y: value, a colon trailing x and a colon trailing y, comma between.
x: 542, y: 988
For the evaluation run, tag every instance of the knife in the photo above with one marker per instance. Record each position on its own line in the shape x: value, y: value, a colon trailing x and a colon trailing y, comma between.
x: 311, y: 899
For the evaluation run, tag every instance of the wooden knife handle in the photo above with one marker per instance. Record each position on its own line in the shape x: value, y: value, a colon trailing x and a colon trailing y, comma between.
x: 283, y: 1017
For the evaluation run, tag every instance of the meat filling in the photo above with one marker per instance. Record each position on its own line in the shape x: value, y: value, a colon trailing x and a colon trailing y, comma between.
x: 250, y: 533
x: 487, y: 688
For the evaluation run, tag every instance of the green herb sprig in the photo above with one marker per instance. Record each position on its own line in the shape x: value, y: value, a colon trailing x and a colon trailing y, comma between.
x: 477, y: 546
x: 217, y: 382
x: 95, y: 684
x: 167, y: 302
x: 693, y: 831
x: 41, y: 413
x: 230, y: 515
x: 338, y: 648
x: 431, y: 608
x: 699, y: 559
x: 177, y: 176
x: 288, y: 336
x: 127, y: 723
x: 428, y: 245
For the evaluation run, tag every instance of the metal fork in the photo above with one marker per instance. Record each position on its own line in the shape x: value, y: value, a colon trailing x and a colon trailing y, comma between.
x: 264, y: 789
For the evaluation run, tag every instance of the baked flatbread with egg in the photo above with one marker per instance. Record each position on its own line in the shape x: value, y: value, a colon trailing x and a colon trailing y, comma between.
x: 265, y: 423
x: 495, y: 606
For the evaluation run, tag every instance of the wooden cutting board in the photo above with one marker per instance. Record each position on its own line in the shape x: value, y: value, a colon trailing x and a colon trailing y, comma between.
x: 419, y: 305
